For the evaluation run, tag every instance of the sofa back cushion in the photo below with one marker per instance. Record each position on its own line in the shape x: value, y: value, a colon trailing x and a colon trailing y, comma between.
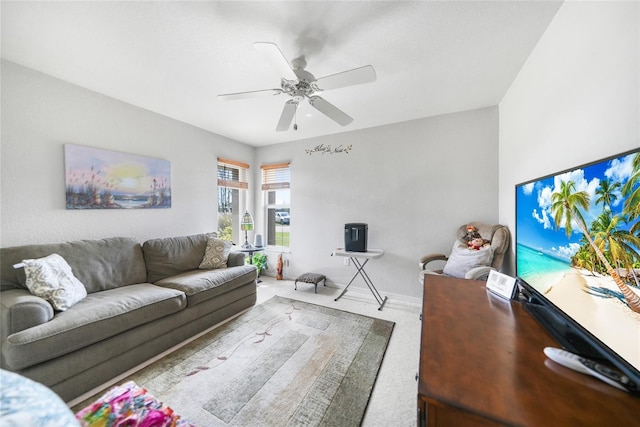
x: 98, y: 264
x: 173, y: 255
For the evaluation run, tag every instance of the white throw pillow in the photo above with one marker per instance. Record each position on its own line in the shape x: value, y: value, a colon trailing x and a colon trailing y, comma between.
x: 216, y: 254
x: 463, y: 259
x: 51, y: 278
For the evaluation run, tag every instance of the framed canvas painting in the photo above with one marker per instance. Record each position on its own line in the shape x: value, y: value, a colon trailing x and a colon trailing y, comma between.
x: 103, y: 179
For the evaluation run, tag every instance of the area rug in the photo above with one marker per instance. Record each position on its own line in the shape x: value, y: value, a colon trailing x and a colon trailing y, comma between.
x: 281, y: 363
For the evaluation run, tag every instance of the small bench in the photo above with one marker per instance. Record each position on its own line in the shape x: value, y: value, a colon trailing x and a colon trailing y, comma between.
x: 314, y: 278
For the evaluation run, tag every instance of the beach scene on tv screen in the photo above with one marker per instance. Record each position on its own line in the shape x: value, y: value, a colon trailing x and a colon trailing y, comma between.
x: 578, y: 244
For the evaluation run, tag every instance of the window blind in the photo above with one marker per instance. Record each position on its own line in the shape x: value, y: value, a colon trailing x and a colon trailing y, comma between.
x: 276, y: 176
x: 232, y: 174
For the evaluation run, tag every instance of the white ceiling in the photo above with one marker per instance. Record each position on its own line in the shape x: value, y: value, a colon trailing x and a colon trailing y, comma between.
x: 173, y: 58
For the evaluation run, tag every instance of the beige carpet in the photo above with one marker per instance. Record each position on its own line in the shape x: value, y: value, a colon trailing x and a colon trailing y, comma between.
x: 283, y: 362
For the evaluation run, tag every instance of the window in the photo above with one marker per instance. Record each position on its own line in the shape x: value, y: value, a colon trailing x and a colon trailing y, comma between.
x: 277, y: 199
x: 232, y: 197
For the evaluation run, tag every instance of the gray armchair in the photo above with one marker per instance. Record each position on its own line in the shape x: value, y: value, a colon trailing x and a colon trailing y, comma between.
x: 496, y: 239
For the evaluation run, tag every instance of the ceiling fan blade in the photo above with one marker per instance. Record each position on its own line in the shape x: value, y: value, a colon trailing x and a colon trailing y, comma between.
x: 330, y: 110
x: 356, y: 76
x: 250, y: 94
x: 287, y: 115
x: 272, y: 53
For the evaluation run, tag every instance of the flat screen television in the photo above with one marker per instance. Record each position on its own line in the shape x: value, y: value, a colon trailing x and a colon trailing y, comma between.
x: 567, y: 285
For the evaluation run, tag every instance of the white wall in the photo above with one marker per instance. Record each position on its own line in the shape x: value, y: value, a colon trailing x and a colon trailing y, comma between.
x: 576, y: 100
x: 40, y: 114
x: 413, y: 183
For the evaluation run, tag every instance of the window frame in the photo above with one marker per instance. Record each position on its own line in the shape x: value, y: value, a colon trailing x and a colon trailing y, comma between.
x: 276, y: 177
x: 237, y: 182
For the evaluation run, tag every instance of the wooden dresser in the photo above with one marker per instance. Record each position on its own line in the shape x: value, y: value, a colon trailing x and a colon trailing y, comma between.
x: 482, y: 364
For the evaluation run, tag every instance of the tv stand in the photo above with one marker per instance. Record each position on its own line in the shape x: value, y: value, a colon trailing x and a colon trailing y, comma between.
x: 566, y: 336
x: 482, y: 364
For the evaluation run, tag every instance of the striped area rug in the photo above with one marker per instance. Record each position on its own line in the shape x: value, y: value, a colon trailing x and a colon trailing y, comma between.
x: 282, y: 363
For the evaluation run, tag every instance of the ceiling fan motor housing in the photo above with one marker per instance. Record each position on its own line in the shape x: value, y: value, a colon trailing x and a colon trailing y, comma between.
x: 298, y: 63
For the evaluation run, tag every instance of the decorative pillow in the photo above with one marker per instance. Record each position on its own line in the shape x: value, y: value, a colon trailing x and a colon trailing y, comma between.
x: 51, y: 278
x: 216, y: 253
x: 463, y: 259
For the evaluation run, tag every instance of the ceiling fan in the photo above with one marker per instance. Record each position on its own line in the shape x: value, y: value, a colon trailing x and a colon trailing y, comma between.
x: 299, y: 84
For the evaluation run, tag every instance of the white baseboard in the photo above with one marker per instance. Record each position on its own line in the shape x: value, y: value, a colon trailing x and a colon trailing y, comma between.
x: 396, y: 297
x: 364, y: 290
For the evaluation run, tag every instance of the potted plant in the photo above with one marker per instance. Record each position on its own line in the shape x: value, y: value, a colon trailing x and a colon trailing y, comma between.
x: 259, y: 259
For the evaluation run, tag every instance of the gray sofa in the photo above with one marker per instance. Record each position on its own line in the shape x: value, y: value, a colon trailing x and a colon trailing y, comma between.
x: 142, y: 299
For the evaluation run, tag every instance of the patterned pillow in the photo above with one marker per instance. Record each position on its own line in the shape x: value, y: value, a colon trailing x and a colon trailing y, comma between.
x: 216, y: 254
x: 51, y: 278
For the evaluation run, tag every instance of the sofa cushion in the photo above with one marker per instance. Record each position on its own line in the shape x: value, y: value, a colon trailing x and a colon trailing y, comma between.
x: 98, y: 264
x: 100, y: 315
x: 173, y: 255
x: 201, y: 285
x: 51, y: 279
x: 235, y: 259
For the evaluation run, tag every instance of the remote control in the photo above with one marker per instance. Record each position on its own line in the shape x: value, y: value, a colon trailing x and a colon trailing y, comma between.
x: 589, y: 367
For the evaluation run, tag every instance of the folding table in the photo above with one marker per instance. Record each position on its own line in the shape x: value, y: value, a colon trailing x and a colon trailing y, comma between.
x: 355, y: 258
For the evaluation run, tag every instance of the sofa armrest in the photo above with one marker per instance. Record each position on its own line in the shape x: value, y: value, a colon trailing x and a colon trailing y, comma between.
x: 235, y: 259
x: 20, y: 310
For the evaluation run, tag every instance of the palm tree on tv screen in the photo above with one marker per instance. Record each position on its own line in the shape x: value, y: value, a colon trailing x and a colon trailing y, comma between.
x: 584, y: 258
x: 614, y: 241
x: 632, y: 203
x: 606, y: 193
x: 565, y: 207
